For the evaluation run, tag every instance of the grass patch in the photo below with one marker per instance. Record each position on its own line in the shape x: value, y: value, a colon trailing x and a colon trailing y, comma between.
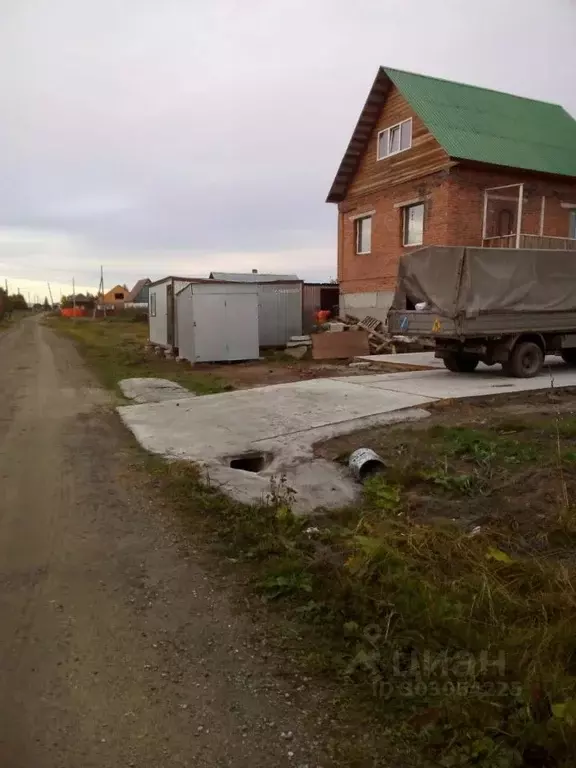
x: 446, y: 597
x: 115, y: 348
x: 9, y: 322
x: 462, y: 640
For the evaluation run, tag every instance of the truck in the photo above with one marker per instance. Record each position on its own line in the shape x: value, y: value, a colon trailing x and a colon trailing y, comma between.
x: 489, y: 305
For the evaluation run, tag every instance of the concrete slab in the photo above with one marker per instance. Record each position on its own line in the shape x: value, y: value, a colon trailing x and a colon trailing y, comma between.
x: 485, y: 381
x: 423, y: 359
x: 232, y: 423
x: 282, y: 423
x: 152, y: 390
x: 427, y: 360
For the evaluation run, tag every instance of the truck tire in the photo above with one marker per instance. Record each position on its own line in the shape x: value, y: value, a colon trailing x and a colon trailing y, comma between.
x: 569, y: 355
x: 461, y: 363
x: 525, y: 362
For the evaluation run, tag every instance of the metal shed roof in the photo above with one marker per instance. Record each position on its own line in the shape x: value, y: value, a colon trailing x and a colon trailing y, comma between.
x: 253, y: 277
x: 174, y: 277
x: 471, y: 123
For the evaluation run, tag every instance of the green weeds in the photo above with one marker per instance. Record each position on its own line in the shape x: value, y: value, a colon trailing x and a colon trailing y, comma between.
x: 460, y: 637
x: 464, y: 642
x: 116, y: 350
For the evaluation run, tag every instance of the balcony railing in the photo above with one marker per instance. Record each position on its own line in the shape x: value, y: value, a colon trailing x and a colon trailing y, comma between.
x: 531, y: 241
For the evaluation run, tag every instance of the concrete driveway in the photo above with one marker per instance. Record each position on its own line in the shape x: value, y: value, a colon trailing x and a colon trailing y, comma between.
x: 277, y: 426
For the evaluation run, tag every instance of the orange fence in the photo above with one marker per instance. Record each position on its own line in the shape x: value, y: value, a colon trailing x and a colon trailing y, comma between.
x: 74, y: 312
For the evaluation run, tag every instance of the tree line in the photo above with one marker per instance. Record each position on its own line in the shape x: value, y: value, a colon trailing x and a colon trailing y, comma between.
x: 16, y: 302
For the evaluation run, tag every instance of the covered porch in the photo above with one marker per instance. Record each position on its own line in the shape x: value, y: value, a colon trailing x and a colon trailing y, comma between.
x: 516, y: 217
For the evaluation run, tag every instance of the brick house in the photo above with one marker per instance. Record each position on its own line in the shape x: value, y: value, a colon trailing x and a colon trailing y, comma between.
x: 432, y: 162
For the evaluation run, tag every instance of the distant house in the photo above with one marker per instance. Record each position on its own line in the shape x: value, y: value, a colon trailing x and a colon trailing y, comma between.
x: 116, y: 297
x: 432, y: 162
x: 79, y: 300
x: 138, y: 296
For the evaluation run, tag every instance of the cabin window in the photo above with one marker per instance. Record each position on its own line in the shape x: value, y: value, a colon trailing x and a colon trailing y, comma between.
x: 152, y: 305
x: 413, y: 224
x: 364, y: 234
x: 395, y: 139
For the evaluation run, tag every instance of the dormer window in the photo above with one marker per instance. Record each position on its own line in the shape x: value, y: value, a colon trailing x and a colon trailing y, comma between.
x: 395, y: 139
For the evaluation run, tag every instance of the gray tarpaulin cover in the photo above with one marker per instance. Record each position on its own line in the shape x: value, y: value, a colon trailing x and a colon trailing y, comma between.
x: 454, y: 281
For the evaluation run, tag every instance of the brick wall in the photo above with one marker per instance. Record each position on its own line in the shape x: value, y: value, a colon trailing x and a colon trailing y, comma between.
x: 377, y: 270
x: 454, y: 204
x: 466, y: 203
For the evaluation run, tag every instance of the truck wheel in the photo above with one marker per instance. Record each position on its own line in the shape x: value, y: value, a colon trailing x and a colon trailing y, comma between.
x: 525, y: 362
x: 569, y: 355
x: 461, y: 363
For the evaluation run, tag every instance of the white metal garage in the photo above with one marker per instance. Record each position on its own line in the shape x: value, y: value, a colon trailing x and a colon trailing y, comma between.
x: 217, y: 321
x: 280, y: 304
x: 161, y: 310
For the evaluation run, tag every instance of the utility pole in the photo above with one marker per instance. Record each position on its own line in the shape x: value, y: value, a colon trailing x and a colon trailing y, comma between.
x: 73, y: 293
x: 100, y: 294
x: 51, y: 297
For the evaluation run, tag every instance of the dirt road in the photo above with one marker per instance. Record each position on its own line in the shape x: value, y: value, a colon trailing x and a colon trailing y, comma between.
x: 115, y: 650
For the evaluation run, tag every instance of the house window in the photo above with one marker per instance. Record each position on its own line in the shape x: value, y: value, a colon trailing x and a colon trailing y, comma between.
x: 413, y: 224
x: 572, y: 224
x: 364, y: 234
x: 152, y: 305
x: 395, y: 139
x: 118, y: 296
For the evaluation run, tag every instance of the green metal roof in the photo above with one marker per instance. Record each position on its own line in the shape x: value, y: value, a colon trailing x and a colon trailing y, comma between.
x: 473, y: 123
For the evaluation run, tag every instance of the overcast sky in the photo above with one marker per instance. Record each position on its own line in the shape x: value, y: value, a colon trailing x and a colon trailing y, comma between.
x: 163, y: 137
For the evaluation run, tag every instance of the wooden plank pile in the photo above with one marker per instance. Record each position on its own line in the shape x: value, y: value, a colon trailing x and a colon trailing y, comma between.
x: 383, y: 343
x: 379, y: 341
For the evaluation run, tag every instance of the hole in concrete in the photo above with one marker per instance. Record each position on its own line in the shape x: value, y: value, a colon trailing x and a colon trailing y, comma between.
x: 253, y: 462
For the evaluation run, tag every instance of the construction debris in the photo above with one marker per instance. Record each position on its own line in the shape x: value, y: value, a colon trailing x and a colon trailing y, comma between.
x: 297, y: 352
x: 334, y: 346
x: 364, y: 463
x: 380, y: 341
x: 299, y: 341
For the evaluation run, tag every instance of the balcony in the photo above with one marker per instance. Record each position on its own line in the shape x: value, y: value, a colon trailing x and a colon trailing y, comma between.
x: 531, y: 241
x: 516, y: 217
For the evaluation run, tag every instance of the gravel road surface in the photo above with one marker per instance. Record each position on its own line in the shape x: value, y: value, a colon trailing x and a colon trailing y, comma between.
x: 115, y: 648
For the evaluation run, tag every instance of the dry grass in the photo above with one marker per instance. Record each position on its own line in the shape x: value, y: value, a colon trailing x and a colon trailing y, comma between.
x: 446, y: 598
x: 116, y: 349
x: 463, y: 637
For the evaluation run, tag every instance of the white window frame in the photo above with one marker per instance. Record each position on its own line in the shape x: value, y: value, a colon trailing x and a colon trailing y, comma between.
x: 387, y: 130
x: 404, y: 223
x: 152, y: 308
x: 357, y: 227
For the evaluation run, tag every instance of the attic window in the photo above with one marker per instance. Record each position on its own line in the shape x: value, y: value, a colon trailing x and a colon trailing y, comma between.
x: 396, y: 138
x: 118, y: 296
